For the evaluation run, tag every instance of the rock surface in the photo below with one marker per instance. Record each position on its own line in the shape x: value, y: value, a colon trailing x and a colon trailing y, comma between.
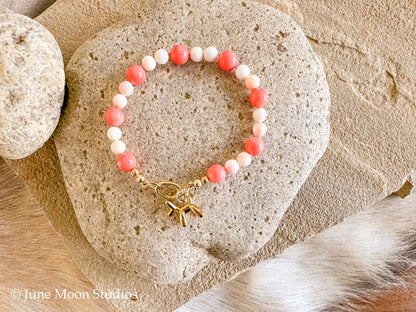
x: 341, y: 184
x: 32, y: 85
x: 369, y: 63
x: 182, y: 120
x: 4, y: 10
x: 31, y: 8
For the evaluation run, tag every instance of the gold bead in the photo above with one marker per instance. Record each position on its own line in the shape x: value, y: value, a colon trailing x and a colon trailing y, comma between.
x: 197, y: 183
x: 182, y: 219
x: 134, y: 172
x: 204, y: 180
x: 140, y: 178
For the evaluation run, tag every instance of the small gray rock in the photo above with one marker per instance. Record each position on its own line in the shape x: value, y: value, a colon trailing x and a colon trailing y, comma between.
x: 32, y: 85
x: 31, y: 8
x: 182, y: 120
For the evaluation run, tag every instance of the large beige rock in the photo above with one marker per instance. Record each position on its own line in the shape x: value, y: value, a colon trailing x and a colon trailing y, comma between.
x: 346, y: 179
x: 182, y: 120
x: 367, y: 55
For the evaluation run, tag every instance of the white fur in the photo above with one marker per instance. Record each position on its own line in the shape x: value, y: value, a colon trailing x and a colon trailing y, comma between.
x: 349, y: 261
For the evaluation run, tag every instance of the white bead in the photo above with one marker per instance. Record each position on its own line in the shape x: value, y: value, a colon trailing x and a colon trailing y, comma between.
x: 210, y: 54
x: 242, y: 72
x: 118, y: 147
x: 252, y: 82
x: 231, y: 166
x: 148, y: 63
x: 244, y: 159
x: 259, y: 129
x: 114, y: 133
x: 162, y: 56
x: 259, y: 114
x: 196, y: 54
x: 119, y: 100
x: 126, y: 88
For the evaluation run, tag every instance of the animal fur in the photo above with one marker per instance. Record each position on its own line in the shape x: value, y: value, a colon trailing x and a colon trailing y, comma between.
x: 32, y: 255
x: 331, y: 271
x: 350, y: 261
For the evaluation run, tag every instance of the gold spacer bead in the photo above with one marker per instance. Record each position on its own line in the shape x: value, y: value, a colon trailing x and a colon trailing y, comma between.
x: 204, y: 180
x: 140, y: 178
x: 134, y: 172
x: 197, y: 183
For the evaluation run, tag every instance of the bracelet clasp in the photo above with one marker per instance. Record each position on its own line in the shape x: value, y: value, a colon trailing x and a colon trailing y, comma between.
x: 181, y: 194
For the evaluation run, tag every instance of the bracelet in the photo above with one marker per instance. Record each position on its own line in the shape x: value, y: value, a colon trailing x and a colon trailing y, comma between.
x: 179, y: 197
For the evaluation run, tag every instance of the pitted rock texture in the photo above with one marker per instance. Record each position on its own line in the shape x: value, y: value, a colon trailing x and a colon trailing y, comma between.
x: 32, y: 85
x: 182, y: 120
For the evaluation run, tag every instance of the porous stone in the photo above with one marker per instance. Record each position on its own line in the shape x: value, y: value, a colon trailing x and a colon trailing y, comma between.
x: 31, y: 8
x: 32, y: 85
x: 182, y: 120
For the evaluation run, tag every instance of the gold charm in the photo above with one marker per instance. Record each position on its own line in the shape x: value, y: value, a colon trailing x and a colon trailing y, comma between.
x: 174, y: 192
x: 180, y: 211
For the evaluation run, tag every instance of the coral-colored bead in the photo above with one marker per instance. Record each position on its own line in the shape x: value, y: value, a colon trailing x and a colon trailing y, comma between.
x: 135, y: 74
x: 227, y: 60
x: 114, y: 116
x: 216, y: 173
x: 259, y: 97
x: 179, y: 54
x: 126, y: 161
x: 254, y: 146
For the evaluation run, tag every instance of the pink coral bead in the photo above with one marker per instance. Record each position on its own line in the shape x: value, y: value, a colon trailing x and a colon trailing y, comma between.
x: 254, y: 146
x: 227, y: 60
x: 179, y: 54
x: 135, y: 74
x: 126, y: 161
x: 114, y: 116
x: 216, y: 173
x: 259, y: 97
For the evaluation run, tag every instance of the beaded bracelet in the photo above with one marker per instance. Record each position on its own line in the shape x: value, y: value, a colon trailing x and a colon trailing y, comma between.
x: 179, y: 197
